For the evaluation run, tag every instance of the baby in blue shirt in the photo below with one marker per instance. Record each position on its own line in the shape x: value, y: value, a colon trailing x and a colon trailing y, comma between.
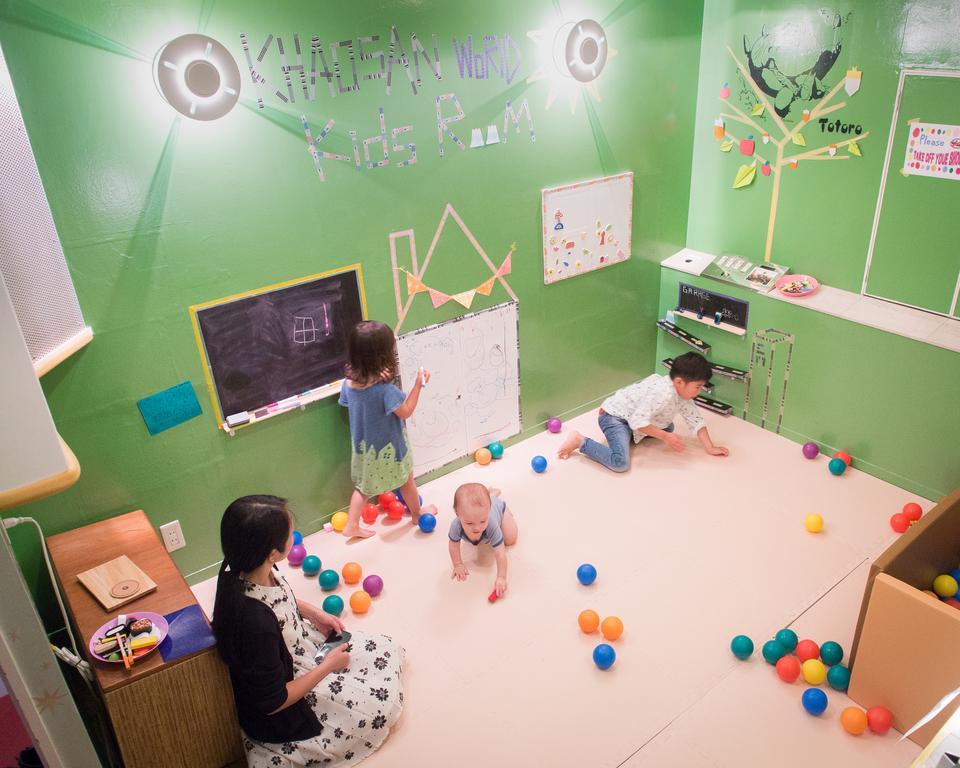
x: 481, y: 516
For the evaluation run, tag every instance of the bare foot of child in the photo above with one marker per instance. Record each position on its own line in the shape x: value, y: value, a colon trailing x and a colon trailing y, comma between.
x: 358, y: 533
x: 573, y: 442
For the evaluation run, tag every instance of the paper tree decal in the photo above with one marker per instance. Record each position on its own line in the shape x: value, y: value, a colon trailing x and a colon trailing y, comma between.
x: 789, y: 137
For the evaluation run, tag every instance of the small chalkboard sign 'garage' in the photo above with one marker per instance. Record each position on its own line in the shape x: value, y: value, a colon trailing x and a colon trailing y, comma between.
x: 711, y: 308
x: 280, y: 347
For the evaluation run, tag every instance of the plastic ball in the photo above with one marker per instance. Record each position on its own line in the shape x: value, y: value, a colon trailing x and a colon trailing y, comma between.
x: 329, y: 580
x: 831, y: 653
x: 813, y: 523
x: 297, y: 537
x: 604, y: 656
x: 496, y: 450
x: 807, y: 649
x: 373, y: 585
x: 742, y: 647
x: 839, y: 677
x: 814, y: 701
x: 899, y: 522
x: 788, y: 669
x: 351, y: 573
x: 554, y: 425
x: 311, y: 565
x: 931, y: 593
x: 586, y: 574
x: 913, y: 511
x: 395, y: 511
x: 787, y: 638
x: 879, y: 719
x: 845, y: 457
x: 772, y: 651
x: 296, y: 554
x: 386, y: 499
x: 333, y: 604
x: 370, y: 513
x: 853, y: 720
x: 482, y: 456
x: 360, y: 602
x: 427, y: 522
x: 539, y: 464
x: 810, y: 450
x: 956, y: 574
x: 339, y: 521
x: 813, y: 671
x: 836, y: 467
x: 588, y: 621
x: 611, y: 628
x: 945, y: 585
x: 952, y: 602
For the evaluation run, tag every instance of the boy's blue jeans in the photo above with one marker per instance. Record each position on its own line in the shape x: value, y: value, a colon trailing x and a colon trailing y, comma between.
x: 615, y: 454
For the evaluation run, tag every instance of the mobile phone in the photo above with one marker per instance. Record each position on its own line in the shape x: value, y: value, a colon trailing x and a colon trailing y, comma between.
x: 332, y: 641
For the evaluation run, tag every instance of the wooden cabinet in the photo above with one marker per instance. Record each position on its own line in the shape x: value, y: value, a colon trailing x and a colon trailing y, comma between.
x: 174, y: 714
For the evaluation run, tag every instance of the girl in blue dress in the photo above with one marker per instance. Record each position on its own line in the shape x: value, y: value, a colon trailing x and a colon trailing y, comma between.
x: 381, y: 459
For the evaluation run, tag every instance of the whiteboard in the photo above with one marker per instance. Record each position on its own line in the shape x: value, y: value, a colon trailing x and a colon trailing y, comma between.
x: 473, y: 397
x: 586, y: 226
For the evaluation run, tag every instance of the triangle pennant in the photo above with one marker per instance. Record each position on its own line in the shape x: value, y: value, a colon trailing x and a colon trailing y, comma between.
x: 505, y: 267
x: 486, y: 287
x: 438, y: 298
x: 464, y: 298
x: 414, y: 285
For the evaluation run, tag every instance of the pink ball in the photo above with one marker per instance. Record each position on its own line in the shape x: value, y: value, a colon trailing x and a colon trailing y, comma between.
x: 373, y: 585
x: 810, y: 450
x: 296, y: 554
x: 554, y: 425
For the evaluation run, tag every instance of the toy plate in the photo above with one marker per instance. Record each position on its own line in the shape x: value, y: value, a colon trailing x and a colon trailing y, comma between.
x: 159, y: 631
x: 797, y: 286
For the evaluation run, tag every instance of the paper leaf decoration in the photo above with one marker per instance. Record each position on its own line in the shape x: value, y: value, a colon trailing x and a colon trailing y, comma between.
x: 726, y: 146
x: 799, y: 140
x: 745, y: 176
x: 854, y: 149
x: 757, y: 109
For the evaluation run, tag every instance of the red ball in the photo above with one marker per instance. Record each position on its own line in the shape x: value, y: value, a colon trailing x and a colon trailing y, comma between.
x: 395, y: 510
x: 788, y: 669
x: 845, y: 457
x: 899, y: 522
x: 953, y: 603
x: 807, y: 649
x: 912, y: 511
x: 370, y: 513
x: 880, y: 719
x: 386, y: 499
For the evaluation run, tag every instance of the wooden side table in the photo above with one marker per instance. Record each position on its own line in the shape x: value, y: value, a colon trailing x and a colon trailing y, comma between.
x: 179, y: 713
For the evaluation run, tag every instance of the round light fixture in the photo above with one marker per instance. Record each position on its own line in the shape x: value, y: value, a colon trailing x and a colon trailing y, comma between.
x: 585, y: 50
x: 197, y: 76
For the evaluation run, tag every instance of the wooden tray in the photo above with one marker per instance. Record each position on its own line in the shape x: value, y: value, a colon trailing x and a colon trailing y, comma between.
x: 103, y: 581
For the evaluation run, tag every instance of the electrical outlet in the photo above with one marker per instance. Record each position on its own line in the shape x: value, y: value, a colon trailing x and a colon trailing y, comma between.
x: 172, y: 536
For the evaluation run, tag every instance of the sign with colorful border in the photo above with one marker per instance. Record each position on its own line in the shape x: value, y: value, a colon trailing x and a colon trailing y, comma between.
x: 933, y: 149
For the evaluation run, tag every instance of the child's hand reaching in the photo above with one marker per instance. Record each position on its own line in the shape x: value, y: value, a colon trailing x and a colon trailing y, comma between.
x: 718, y: 450
x: 338, y: 659
x: 460, y: 572
x: 674, y: 442
x: 500, y: 586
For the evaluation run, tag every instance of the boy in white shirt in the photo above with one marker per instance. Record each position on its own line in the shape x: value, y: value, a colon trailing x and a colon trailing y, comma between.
x: 647, y: 409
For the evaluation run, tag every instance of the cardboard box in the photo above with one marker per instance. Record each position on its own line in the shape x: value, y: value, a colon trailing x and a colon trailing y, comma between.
x: 905, y: 650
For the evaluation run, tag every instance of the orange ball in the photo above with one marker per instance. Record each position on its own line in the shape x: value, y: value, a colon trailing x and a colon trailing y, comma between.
x: 351, y: 573
x: 611, y: 628
x: 482, y: 456
x: 588, y: 621
x: 853, y: 720
x: 359, y: 602
x: 845, y: 457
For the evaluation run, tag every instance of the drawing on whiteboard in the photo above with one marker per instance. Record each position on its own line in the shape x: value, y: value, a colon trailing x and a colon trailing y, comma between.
x: 474, y: 394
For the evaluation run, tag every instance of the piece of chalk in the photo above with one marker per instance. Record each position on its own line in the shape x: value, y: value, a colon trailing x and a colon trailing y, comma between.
x: 423, y: 381
x: 492, y: 597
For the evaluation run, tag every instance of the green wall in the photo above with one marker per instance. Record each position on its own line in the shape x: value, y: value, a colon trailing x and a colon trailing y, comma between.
x: 157, y: 213
x: 884, y: 398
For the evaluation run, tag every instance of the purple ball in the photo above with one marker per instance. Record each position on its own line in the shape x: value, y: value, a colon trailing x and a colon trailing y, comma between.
x: 373, y: 585
x: 296, y: 554
x: 554, y: 425
x: 810, y: 450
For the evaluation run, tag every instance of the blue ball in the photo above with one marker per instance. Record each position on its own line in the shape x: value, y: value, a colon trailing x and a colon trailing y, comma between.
x: 814, y: 701
x: 839, y: 677
x: 836, y: 466
x: 787, y: 638
x: 297, y: 537
x: 773, y: 651
x: 586, y: 574
x: 604, y: 656
x: 310, y: 565
x: 400, y: 498
x: 539, y: 464
x: 427, y: 522
x: 496, y: 450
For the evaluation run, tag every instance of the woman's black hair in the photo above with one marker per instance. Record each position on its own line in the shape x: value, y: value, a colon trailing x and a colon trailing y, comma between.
x: 691, y: 367
x: 251, y: 528
x: 371, y: 353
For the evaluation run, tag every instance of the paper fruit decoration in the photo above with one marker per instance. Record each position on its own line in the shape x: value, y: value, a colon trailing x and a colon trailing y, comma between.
x: 725, y: 91
x: 747, y: 145
x: 852, y: 84
x: 765, y: 168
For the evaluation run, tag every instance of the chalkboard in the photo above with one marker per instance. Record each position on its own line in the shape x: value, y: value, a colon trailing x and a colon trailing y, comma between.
x: 278, y: 342
x: 707, y: 304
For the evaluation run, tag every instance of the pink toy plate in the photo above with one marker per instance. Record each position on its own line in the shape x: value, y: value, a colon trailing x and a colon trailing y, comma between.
x: 159, y: 631
x: 797, y: 286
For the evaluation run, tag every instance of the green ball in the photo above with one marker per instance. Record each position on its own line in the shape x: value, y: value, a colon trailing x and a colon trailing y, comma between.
x: 329, y: 580
x: 831, y: 653
x: 496, y: 450
x: 788, y: 639
x: 837, y: 466
x: 742, y: 647
x: 839, y: 677
x: 333, y: 604
x: 773, y: 651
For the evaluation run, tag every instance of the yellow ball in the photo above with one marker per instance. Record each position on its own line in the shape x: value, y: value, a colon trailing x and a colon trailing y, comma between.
x: 945, y: 585
x: 482, y: 456
x: 339, y: 521
x: 814, y: 672
x: 813, y: 523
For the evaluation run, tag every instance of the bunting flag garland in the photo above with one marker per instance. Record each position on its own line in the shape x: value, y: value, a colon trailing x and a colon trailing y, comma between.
x: 464, y: 298
x: 414, y: 285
